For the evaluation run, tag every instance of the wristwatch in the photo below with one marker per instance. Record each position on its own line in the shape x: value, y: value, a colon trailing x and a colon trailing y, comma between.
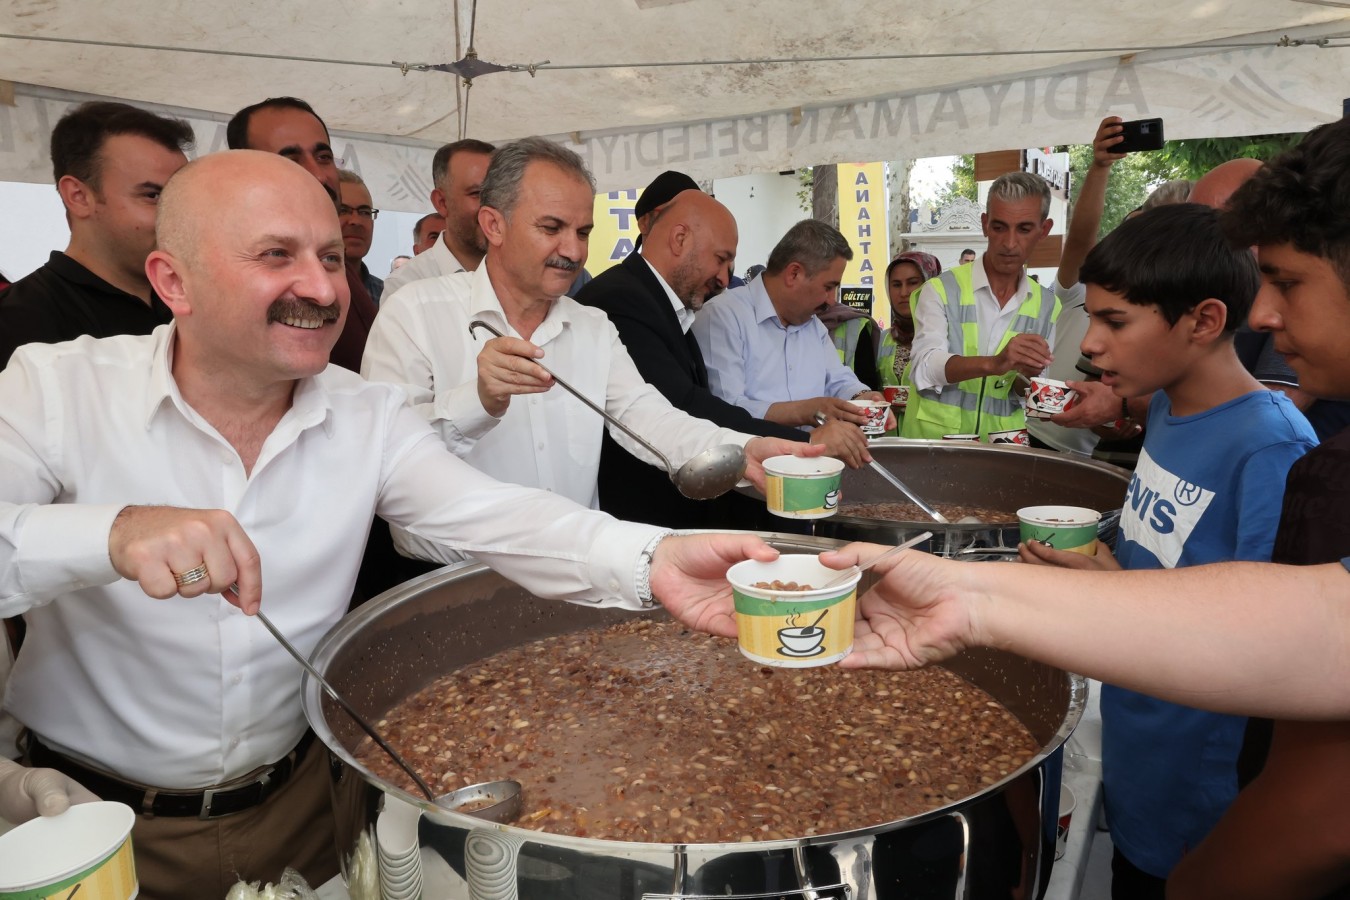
x: 644, y: 571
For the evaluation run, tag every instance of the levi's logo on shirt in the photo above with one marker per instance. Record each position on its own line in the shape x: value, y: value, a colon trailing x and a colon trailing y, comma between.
x: 1161, y: 510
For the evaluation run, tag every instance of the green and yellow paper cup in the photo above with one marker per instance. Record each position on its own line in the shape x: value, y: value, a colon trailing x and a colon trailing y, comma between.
x: 1071, y: 528
x: 794, y: 629
x: 800, y: 488
x: 84, y: 853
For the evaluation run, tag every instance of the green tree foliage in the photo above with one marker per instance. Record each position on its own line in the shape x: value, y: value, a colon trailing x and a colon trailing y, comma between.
x: 962, y: 183
x: 1131, y: 179
x: 1193, y: 158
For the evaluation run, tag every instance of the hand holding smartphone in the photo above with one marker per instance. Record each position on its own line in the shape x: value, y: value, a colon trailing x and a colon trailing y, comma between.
x: 1140, y: 134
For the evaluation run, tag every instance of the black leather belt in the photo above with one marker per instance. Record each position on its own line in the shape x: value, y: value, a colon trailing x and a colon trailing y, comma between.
x: 211, y: 803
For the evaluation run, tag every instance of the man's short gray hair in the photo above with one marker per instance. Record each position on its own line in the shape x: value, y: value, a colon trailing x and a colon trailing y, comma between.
x: 1011, y: 187
x: 501, y: 184
x: 1178, y: 190
x: 810, y: 243
x: 440, y: 163
x: 347, y: 176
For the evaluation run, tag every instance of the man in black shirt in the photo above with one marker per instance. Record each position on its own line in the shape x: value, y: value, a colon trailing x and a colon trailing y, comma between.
x: 110, y: 162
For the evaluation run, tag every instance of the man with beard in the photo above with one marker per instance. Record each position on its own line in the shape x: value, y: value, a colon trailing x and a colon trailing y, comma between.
x: 651, y: 298
x: 145, y: 678
x: 767, y: 352
x: 457, y: 172
x: 491, y: 402
x: 291, y: 128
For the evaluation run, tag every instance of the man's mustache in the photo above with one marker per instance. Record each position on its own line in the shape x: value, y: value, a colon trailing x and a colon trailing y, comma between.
x: 562, y: 262
x: 281, y: 310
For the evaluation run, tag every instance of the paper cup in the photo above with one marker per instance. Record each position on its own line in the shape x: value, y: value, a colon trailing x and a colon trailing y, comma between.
x: 875, y: 410
x: 793, y: 629
x: 86, y: 849
x: 897, y: 396
x: 1067, y: 802
x: 1017, y: 436
x: 1049, y: 397
x: 961, y: 437
x: 1071, y: 528
x: 798, y: 488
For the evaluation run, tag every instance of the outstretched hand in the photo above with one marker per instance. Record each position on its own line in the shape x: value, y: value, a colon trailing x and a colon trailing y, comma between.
x: 920, y: 611
x: 689, y: 577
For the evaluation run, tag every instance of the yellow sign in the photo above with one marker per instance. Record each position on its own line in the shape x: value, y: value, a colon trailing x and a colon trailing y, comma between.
x: 862, y: 219
x: 615, y: 230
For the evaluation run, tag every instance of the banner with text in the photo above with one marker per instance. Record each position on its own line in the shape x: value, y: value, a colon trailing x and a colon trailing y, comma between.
x: 862, y: 219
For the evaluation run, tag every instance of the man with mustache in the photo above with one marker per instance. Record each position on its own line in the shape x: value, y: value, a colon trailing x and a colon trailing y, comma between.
x: 768, y: 353
x: 961, y: 378
x: 489, y: 399
x: 144, y: 678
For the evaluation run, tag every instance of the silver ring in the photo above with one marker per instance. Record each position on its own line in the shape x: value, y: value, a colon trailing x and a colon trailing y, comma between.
x: 191, y: 576
x: 819, y: 418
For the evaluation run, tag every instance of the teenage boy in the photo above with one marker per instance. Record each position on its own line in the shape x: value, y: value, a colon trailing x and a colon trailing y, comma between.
x: 1166, y: 293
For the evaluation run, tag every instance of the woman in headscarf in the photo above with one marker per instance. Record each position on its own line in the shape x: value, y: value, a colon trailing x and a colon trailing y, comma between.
x: 906, y: 273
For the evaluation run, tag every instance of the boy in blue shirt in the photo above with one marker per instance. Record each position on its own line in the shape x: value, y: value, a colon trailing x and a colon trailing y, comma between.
x: 1165, y: 294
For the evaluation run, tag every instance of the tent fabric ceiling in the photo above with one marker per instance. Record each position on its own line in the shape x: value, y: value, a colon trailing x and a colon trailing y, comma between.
x: 337, y: 57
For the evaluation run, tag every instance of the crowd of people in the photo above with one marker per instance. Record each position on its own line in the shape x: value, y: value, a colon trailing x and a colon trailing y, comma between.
x: 208, y: 396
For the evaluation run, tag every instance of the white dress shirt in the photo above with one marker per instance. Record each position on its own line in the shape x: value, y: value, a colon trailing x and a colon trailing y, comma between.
x: 421, y: 342
x: 435, y: 261
x: 929, y: 352
x: 183, y: 694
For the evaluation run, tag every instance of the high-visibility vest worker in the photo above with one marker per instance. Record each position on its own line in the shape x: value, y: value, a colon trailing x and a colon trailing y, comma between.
x: 845, y: 336
x: 977, y: 405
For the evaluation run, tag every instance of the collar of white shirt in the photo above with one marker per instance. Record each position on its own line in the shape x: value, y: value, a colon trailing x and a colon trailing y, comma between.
x: 484, y: 302
x: 979, y: 278
x: 682, y: 312
x: 310, y: 403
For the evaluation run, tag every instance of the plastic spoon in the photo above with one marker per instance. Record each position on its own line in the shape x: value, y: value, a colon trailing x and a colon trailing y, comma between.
x: 706, y: 475
x: 848, y: 573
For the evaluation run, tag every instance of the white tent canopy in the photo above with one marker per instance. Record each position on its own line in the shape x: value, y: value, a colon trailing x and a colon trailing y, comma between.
x: 775, y: 84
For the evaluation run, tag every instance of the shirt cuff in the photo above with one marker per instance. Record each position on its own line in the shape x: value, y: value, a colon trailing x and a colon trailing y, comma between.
x: 462, y: 411
x: 934, y: 367
x: 616, y: 562
x: 65, y: 547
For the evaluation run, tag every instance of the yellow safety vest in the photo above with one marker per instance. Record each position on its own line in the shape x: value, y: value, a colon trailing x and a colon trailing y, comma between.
x: 977, y: 405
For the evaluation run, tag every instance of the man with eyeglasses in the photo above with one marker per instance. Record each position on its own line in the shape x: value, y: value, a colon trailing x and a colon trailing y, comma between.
x: 358, y: 215
x: 291, y: 128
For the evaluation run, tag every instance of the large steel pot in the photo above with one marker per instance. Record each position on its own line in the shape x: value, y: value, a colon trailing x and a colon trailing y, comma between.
x: 993, y: 844
x: 995, y: 476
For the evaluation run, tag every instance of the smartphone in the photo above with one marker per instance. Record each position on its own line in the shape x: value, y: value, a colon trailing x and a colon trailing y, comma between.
x: 1140, y: 134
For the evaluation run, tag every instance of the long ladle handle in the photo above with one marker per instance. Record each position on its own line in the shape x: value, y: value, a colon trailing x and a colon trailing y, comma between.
x: 670, y: 470
x: 905, y: 489
x: 351, y: 711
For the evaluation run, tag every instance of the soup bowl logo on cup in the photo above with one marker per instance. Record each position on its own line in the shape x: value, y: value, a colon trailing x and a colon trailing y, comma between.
x: 798, y: 488
x: 1049, y: 397
x: 793, y: 628
x: 1071, y: 528
x: 875, y: 411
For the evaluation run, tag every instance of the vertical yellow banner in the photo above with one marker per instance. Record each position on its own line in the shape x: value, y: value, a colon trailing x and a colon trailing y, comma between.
x: 615, y: 230
x: 862, y: 219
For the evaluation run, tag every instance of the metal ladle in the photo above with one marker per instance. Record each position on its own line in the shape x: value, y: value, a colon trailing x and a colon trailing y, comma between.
x: 706, y: 475
x: 504, y: 796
